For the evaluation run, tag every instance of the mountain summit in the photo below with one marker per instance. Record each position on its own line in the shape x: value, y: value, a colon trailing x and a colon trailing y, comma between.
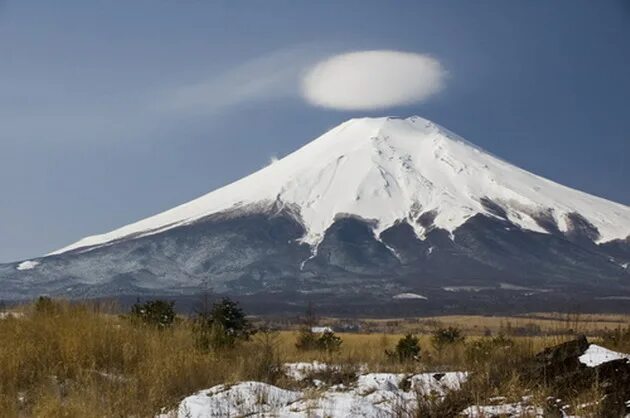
x: 376, y: 207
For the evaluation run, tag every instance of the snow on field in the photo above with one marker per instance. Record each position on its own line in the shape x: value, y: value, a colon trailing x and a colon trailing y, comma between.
x: 5, y: 315
x: 465, y: 288
x: 300, y: 371
x: 391, y: 170
x: 374, y: 395
x: 245, y: 398
x: 321, y: 330
x: 596, y: 355
x: 27, y: 265
x: 509, y: 410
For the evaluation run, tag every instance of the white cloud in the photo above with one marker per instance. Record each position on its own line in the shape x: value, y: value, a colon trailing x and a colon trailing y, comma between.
x: 367, y: 80
x: 362, y: 80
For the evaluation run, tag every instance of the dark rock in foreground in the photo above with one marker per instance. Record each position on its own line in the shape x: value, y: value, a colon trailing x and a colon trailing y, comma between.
x: 561, y: 369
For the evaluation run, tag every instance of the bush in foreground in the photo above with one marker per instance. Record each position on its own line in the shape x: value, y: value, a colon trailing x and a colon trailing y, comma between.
x: 44, y: 305
x: 407, y: 349
x: 221, y: 326
x: 306, y: 340
x: 327, y: 341
x: 158, y: 313
x: 267, y: 365
x: 443, y: 337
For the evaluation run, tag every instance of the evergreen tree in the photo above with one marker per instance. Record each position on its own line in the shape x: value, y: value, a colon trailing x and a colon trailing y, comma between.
x: 222, y: 325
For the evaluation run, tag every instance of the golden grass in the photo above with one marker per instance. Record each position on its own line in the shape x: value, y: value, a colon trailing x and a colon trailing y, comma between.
x: 547, y: 323
x: 369, y: 349
x: 84, y: 361
x: 80, y: 363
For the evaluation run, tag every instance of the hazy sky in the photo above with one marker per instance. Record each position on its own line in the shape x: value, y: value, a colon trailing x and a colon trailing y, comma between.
x: 111, y: 111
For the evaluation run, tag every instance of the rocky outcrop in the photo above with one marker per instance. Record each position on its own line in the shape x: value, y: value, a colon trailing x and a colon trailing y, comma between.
x: 567, y: 370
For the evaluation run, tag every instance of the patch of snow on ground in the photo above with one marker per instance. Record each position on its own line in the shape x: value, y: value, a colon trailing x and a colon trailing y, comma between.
x: 465, y: 288
x: 437, y: 383
x: 511, y: 410
x: 345, y: 404
x: 508, y: 286
x: 374, y: 395
x: 5, y: 315
x: 300, y: 371
x: 596, y: 355
x: 321, y: 330
x: 242, y: 399
x: 27, y: 265
x: 409, y: 296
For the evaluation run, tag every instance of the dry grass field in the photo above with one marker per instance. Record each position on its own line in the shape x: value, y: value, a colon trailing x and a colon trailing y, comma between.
x: 526, y: 324
x: 81, y: 360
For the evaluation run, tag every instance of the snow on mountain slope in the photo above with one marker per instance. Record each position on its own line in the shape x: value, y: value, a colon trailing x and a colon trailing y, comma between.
x: 388, y: 170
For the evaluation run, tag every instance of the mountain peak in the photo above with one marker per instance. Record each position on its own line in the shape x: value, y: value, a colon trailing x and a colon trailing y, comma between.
x: 385, y: 119
x: 416, y: 122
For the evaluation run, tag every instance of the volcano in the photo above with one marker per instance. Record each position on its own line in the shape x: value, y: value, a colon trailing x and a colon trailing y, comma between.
x: 375, y: 212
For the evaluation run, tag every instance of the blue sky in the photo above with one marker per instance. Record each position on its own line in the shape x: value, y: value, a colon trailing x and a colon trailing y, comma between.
x: 94, y: 135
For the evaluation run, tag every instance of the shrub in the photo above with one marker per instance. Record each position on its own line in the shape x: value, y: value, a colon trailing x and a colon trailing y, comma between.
x: 47, y: 306
x: 222, y: 326
x: 329, y: 342
x: 158, y: 313
x: 306, y: 340
x: 408, y: 348
x: 267, y: 365
x: 443, y: 337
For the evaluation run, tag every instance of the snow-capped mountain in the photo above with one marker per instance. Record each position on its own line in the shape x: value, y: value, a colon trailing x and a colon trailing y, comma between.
x: 389, y: 170
x: 398, y: 204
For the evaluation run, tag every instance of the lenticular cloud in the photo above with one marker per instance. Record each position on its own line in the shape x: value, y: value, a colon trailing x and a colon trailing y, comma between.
x: 372, y: 80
